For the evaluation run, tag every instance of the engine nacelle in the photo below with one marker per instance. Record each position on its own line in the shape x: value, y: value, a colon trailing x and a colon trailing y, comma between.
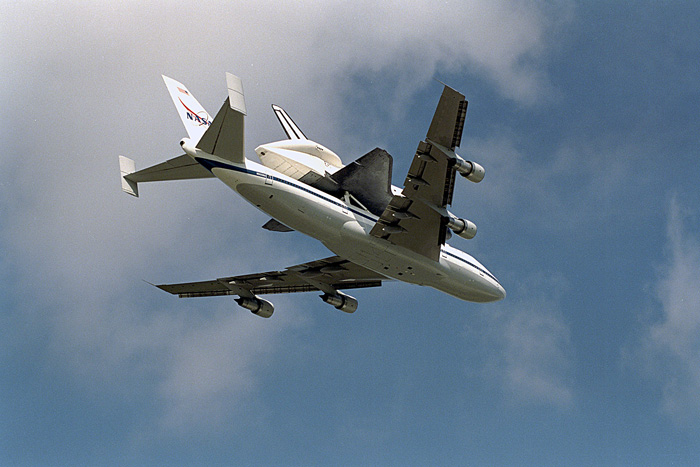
x: 341, y: 301
x: 257, y: 306
x: 470, y: 170
x: 462, y: 227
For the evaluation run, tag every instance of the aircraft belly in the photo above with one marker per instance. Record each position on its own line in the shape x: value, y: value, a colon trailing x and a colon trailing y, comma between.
x: 382, y: 257
x: 298, y: 211
x: 450, y: 276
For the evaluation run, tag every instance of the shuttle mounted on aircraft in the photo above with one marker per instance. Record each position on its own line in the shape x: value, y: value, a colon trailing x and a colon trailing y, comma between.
x: 376, y: 231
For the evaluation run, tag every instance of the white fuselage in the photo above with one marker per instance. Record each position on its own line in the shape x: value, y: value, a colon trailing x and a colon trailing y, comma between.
x: 344, y: 230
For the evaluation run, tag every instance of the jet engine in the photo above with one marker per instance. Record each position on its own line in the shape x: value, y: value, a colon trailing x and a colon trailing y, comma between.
x: 462, y: 227
x: 341, y: 301
x: 470, y: 170
x: 257, y: 306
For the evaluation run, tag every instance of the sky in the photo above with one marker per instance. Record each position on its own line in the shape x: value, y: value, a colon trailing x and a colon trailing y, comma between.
x: 585, y: 117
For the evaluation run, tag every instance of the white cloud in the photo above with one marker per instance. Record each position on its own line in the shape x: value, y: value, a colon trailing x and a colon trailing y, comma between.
x: 81, y: 98
x: 502, y: 41
x: 215, y: 368
x: 671, y: 348
x: 537, y: 350
x: 530, y: 357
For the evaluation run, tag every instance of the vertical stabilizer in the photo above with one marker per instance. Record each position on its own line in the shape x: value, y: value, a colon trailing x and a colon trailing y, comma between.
x: 192, y: 114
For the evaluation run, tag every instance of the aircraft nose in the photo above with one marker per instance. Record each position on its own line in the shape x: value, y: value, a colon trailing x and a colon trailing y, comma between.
x: 495, y: 292
x: 500, y: 292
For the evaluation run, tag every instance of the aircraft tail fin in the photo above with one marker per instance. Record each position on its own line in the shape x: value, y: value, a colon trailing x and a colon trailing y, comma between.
x: 222, y: 137
x: 225, y: 136
x: 192, y: 114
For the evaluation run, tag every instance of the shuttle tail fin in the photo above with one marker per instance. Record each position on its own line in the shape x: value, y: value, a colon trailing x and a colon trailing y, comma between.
x: 288, y: 125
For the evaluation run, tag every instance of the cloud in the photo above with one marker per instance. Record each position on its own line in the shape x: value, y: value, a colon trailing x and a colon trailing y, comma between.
x: 670, y: 349
x: 215, y: 368
x: 503, y: 41
x: 78, y: 246
x: 536, y: 345
x: 530, y: 356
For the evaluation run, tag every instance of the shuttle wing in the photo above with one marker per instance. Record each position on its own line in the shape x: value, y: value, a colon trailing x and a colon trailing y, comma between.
x: 417, y: 219
x: 327, y: 275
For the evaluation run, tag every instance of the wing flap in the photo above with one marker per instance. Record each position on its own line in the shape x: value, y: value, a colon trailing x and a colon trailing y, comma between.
x: 412, y: 224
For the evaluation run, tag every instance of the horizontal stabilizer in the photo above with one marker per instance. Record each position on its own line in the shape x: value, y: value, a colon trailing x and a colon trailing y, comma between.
x: 178, y: 168
x: 225, y: 136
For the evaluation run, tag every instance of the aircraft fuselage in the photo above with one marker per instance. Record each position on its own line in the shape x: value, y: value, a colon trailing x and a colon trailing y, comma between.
x: 345, y: 230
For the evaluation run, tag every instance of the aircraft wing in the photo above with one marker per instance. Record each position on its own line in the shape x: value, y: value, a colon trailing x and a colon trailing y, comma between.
x: 417, y: 219
x: 327, y: 275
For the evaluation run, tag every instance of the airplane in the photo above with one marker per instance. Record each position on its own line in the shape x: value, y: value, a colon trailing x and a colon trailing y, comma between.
x: 378, y: 232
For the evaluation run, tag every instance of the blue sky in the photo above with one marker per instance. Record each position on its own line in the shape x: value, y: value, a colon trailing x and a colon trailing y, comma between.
x: 585, y: 116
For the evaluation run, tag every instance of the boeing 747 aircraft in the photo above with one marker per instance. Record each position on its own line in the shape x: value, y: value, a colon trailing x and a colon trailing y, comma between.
x: 377, y: 231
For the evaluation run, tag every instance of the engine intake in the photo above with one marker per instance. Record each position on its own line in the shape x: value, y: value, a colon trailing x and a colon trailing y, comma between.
x: 341, y: 301
x: 257, y: 306
x: 470, y: 170
x: 462, y: 227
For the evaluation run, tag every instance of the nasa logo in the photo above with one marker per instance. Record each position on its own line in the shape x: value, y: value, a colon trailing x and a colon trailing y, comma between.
x: 192, y: 115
